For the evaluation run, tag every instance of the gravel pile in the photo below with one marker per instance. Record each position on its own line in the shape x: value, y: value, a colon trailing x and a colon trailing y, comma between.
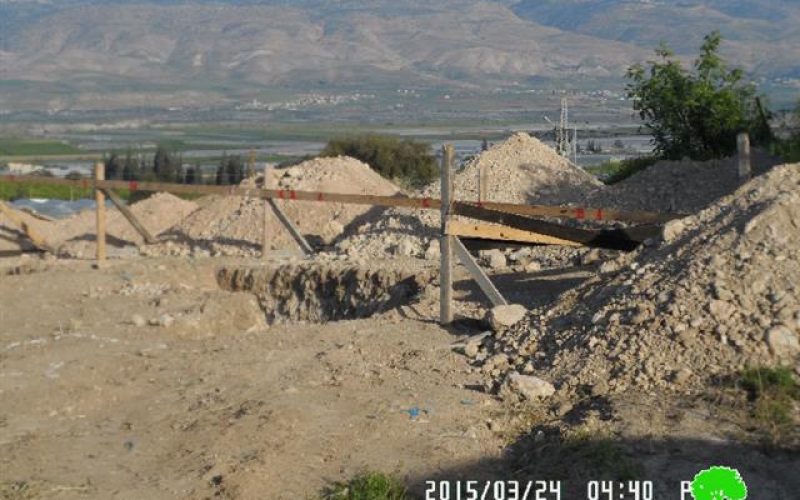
x: 520, y: 170
x: 229, y: 225
x: 679, y: 186
x: 718, y: 294
x: 75, y: 236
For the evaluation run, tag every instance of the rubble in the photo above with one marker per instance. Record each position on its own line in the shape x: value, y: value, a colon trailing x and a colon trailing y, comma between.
x: 722, y: 297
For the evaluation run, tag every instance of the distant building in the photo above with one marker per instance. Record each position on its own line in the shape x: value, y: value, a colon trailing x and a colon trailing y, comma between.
x: 22, y: 168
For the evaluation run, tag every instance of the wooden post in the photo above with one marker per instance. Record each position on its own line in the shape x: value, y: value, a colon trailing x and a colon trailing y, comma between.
x: 743, y: 147
x: 265, y: 237
x: 100, y: 200
x: 483, y: 183
x: 446, y: 241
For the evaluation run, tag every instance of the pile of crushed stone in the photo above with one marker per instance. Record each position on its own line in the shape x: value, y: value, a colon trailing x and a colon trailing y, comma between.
x: 159, y: 212
x: 524, y: 170
x: 75, y: 236
x: 521, y: 169
x: 720, y: 293
x: 679, y: 186
x: 229, y: 225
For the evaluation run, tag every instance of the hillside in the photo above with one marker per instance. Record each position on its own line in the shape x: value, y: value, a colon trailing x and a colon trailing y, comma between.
x: 762, y: 35
x: 213, y: 48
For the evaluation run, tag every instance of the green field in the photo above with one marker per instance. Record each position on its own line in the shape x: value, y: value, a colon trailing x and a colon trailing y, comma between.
x: 30, y: 147
x: 33, y: 189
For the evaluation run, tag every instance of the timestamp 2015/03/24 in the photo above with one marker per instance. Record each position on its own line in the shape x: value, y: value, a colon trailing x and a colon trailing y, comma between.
x: 492, y: 490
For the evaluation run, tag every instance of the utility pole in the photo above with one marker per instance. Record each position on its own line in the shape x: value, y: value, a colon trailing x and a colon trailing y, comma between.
x: 564, y: 146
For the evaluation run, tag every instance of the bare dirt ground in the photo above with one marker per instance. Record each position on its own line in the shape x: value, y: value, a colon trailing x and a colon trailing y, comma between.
x: 94, y: 406
x: 145, y: 380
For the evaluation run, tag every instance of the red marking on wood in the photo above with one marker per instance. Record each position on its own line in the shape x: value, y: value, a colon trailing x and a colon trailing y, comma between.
x: 281, y: 194
x: 480, y: 204
x: 133, y: 185
x: 319, y: 196
x: 292, y: 195
x: 599, y: 214
x: 580, y: 213
x: 426, y: 202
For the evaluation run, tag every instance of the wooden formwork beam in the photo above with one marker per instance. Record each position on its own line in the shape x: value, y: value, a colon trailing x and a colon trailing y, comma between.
x: 130, y: 216
x: 503, y: 233
x: 615, y: 239
x: 575, y: 213
x: 290, y: 226
x: 478, y: 274
x: 37, y: 239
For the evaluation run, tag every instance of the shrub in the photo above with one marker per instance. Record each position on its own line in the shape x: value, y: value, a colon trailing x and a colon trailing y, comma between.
x: 774, y: 393
x: 407, y: 161
x: 614, y: 171
x: 371, y: 486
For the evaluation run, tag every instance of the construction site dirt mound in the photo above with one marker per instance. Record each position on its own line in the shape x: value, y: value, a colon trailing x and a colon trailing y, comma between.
x: 75, y: 236
x: 717, y: 295
x: 230, y: 225
x: 521, y: 169
x: 680, y: 186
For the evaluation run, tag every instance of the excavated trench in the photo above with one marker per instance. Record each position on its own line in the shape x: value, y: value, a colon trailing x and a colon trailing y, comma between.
x: 324, y: 292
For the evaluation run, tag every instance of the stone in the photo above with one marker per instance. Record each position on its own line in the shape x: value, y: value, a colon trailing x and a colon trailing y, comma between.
x: 495, y: 259
x: 496, y: 361
x: 471, y: 350
x: 407, y: 248
x: 672, y: 230
x: 681, y: 376
x: 782, y: 341
x: 721, y: 310
x: 530, y: 387
x: 520, y: 255
x: 533, y: 267
x: 591, y: 257
x: 165, y: 320
x: 503, y: 317
x: 609, y: 267
x: 433, y: 252
x: 138, y: 321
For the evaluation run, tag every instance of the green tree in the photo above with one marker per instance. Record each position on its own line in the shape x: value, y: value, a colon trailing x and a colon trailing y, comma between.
x: 166, y: 165
x: 220, y: 177
x: 130, y: 167
x: 404, y: 160
x: 190, y: 176
x: 695, y: 113
x: 114, y: 167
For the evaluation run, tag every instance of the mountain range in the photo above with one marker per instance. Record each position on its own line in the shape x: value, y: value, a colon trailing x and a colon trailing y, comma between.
x: 108, y: 46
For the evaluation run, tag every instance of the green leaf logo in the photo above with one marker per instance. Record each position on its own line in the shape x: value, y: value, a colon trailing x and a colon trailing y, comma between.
x: 719, y: 483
